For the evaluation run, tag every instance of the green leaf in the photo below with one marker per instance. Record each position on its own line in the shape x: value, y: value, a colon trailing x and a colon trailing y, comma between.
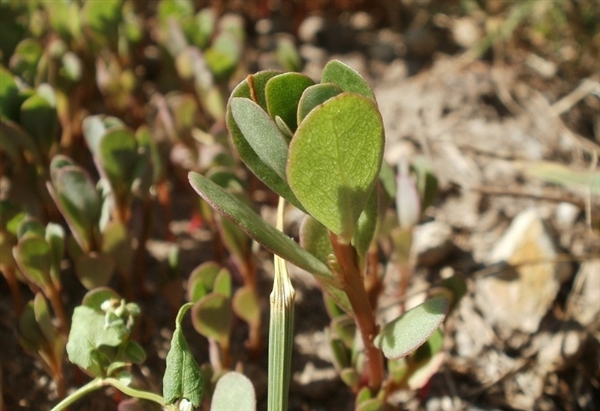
x: 366, y: 225
x: 223, y: 55
x: 314, y: 96
x: 116, y: 242
x: 334, y: 160
x: 283, y: 93
x: 94, y: 298
x: 135, y: 353
x: 94, y: 269
x: 103, y: 18
x: 9, y: 92
x: 212, y: 317
x: 347, y: 78
x: 314, y: 238
x: 222, y: 284
x: 261, y: 133
x: 201, y: 280
x: 273, y: 239
x: 253, y: 88
x: 30, y: 334
x: 412, y: 329
x: 88, y: 334
x: 25, y: 59
x: 555, y: 173
x: 55, y: 237
x: 427, y: 183
x: 234, y: 391
x: 77, y: 198
x: 183, y: 377
x: 39, y: 118
x: 287, y: 54
x: 374, y: 404
x: 205, y: 23
x: 247, y: 305
x: 34, y: 256
x: 44, y: 320
x: 94, y: 128
x: 235, y: 240
x: 119, y: 158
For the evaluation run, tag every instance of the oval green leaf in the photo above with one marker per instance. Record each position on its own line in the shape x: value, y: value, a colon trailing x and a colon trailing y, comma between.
x: 334, y: 160
x: 283, y: 93
x: 234, y: 391
x: 261, y: 133
x: 253, y: 88
x: 34, y: 256
x: 315, y: 95
x: 347, y: 78
x: 412, y: 329
x: 212, y: 316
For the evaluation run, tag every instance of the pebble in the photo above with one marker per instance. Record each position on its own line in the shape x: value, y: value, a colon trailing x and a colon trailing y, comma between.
x: 432, y: 243
x: 520, y: 295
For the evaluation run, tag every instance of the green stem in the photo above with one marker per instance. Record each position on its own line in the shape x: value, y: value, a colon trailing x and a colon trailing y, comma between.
x: 91, y: 386
x: 98, y: 383
x: 132, y: 392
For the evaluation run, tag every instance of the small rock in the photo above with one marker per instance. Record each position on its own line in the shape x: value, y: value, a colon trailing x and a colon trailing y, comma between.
x: 466, y: 32
x: 566, y: 214
x: 518, y: 297
x: 310, y: 28
x: 431, y: 243
x: 584, y: 302
x: 317, y: 382
x: 558, y: 350
x: 362, y: 20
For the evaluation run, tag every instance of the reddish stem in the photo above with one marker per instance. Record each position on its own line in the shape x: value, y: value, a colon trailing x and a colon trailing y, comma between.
x: 363, y: 314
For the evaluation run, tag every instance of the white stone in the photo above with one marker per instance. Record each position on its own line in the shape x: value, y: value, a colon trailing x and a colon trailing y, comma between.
x: 518, y: 297
x: 431, y: 243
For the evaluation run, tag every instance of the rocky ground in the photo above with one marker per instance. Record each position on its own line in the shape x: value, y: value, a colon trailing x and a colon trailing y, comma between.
x: 527, y: 334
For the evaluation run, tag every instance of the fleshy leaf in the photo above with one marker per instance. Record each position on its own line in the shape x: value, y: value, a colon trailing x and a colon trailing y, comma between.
x: 222, y: 284
x: 201, y: 280
x: 39, y: 118
x: 334, y: 160
x: 273, y: 239
x: 315, y: 239
x: 261, y: 133
x: 246, y: 305
x: 427, y: 183
x: 77, y: 198
x: 412, y: 329
x: 183, y: 377
x: 9, y: 92
x: 94, y: 269
x: 97, y: 296
x: 283, y: 93
x: 253, y: 88
x: 234, y: 391
x: 119, y: 157
x: 315, y: 95
x: 212, y: 316
x: 347, y: 78
x: 34, y: 257
x: 366, y: 225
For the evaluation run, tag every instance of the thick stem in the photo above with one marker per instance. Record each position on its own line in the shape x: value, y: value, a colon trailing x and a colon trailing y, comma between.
x: 363, y: 314
x: 59, y: 309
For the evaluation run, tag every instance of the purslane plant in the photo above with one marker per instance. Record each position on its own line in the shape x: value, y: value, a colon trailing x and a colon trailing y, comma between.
x: 320, y: 147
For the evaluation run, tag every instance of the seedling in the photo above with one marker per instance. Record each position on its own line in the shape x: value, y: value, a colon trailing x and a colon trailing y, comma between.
x: 320, y: 147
